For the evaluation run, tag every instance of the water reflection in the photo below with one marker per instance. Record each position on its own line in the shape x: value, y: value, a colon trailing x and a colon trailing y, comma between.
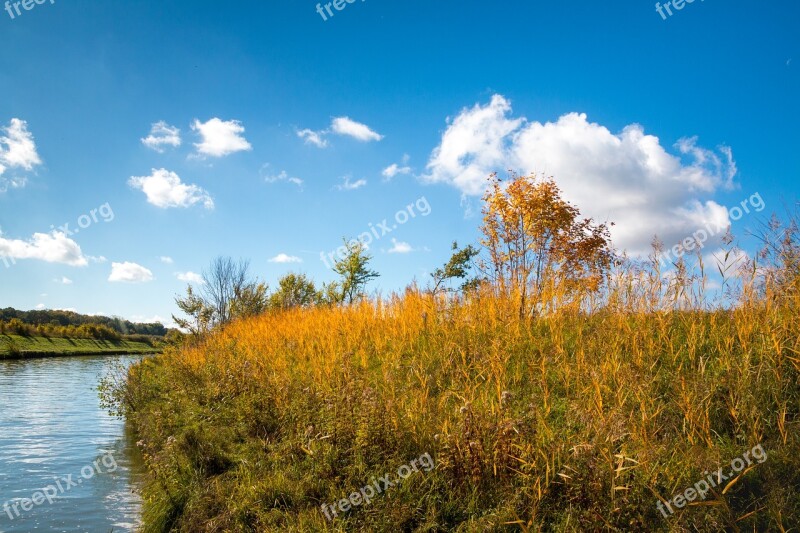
x: 52, y: 427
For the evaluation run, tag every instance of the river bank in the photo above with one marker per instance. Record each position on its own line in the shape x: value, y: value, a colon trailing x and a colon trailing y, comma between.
x: 20, y: 347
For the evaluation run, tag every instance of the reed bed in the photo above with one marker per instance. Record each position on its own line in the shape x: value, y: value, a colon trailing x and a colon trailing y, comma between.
x: 581, y: 418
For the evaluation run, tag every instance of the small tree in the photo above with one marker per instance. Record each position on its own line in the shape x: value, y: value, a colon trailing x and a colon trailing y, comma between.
x: 353, y: 271
x: 330, y: 294
x: 200, y: 314
x: 458, y: 267
x: 249, y: 300
x: 534, y: 239
x: 294, y: 290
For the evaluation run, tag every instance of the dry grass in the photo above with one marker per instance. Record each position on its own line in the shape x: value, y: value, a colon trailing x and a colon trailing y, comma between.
x: 572, y: 421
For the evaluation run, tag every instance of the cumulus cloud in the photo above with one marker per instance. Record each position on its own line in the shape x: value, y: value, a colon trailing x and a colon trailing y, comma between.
x: 220, y: 137
x: 17, y: 147
x: 17, y: 151
x: 54, y: 247
x: 164, y: 189
x: 357, y: 130
x: 162, y: 135
x: 348, y: 185
x: 399, y: 247
x: 628, y: 177
x: 166, y: 260
x: 129, y: 273
x: 285, y: 258
x: 64, y: 281
x: 190, y: 277
x: 317, y: 138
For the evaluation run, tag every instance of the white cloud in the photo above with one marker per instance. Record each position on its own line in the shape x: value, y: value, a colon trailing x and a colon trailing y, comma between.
x: 17, y: 151
x: 53, y: 247
x: 356, y: 130
x: 348, y: 185
x: 340, y: 126
x: 96, y: 259
x: 142, y: 319
x: 394, y: 169
x: 166, y: 260
x: 474, y: 145
x: 190, y: 277
x: 281, y: 176
x: 64, y: 281
x: 220, y: 138
x: 164, y: 189
x: 17, y: 147
x: 285, y: 258
x: 399, y: 247
x: 161, y: 135
x: 40, y: 307
x: 627, y: 178
x: 317, y: 138
x: 129, y: 273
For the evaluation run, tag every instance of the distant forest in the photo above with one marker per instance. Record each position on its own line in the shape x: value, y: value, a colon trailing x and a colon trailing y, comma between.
x: 69, y: 318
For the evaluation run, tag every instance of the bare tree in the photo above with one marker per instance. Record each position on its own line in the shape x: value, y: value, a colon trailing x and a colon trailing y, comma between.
x: 223, y: 281
x: 227, y: 292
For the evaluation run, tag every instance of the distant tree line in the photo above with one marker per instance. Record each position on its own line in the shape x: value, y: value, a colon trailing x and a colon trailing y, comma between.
x: 69, y: 318
x: 84, y: 331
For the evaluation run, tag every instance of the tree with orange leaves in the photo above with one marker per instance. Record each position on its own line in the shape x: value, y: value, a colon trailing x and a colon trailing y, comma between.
x: 536, y: 240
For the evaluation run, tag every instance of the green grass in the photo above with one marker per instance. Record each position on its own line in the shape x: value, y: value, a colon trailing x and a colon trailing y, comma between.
x: 18, y: 347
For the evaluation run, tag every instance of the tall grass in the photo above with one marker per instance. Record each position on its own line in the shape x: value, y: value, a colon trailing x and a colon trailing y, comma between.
x: 579, y: 419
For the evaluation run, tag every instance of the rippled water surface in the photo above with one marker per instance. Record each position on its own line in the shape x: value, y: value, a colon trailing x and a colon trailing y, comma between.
x: 51, y: 428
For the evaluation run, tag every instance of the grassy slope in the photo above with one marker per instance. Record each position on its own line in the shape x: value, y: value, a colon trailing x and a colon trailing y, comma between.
x: 45, y: 347
x: 563, y: 424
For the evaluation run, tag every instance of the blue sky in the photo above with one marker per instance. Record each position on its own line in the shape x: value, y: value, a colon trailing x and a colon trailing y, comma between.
x: 657, y: 125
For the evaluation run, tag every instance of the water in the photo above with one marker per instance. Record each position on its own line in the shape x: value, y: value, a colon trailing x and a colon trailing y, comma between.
x: 51, y: 428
